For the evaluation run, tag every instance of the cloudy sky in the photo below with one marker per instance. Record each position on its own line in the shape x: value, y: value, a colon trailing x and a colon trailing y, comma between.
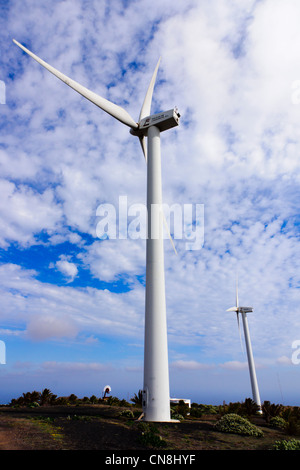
x: 72, y: 304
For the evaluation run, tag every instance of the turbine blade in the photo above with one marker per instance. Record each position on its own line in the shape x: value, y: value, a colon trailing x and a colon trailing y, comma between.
x: 237, y: 294
x: 146, y: 108
x: 168, y: 231
x: 114, y: 110
x: 142, y: 139
x: 232, y: 309
x: 238, y: 321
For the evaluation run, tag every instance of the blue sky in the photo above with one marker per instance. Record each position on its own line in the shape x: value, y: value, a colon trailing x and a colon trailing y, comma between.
x: 72, y: 305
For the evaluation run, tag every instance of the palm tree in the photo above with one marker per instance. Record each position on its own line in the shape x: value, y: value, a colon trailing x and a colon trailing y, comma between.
x: 46, y: 397
x: 138, y: 398
x: 35, y: 396
x: 270, y: 410
x: 26, y: 398
x: 250, y: 407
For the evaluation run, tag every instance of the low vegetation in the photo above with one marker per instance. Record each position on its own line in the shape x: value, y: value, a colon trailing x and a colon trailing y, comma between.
x: 292, y: 444
x: 46, y: 397
x: 200, y: 426
x: 236, y: 424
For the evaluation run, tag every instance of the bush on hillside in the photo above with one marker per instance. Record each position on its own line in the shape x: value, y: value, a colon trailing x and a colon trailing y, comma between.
x: 292, y: 444
x: 278, y: 422
x: 235, y: 424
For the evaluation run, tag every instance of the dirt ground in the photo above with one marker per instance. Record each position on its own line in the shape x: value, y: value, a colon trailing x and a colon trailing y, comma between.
x: 100, y: 427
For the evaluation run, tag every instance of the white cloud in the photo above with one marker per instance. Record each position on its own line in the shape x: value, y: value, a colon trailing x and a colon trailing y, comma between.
x: 74, y: 366
x: 109, y: 260
x: 50, y: 326
x: 53, y: 311
x: 190, y: 365
x: 9, y: 332
x: 284, y: 360
x: 24, y: 213
x: 67, y: 268
x: 235, y: 365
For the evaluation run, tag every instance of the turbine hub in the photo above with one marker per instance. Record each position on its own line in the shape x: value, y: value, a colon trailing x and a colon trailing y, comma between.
x: 164, y: 121
x: 245, y: 309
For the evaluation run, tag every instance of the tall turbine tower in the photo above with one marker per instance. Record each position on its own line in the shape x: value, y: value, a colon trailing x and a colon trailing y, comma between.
x: 156, y: 392
x: 243, y: 311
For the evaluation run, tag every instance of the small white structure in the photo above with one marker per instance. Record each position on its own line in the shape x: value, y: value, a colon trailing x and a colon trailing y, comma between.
x: 177, y: 400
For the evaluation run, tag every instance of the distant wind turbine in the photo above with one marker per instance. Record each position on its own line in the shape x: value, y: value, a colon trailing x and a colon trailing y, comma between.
x: 243, y: 311
x: 156, y: 394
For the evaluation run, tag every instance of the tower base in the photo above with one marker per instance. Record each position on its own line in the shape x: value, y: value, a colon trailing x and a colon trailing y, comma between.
x: 142, y: 418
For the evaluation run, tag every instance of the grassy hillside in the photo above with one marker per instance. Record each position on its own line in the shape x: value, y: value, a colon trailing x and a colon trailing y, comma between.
x: 114, y: 425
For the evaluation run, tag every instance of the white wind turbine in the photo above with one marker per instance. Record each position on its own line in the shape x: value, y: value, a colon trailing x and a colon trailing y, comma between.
x: 243, y: 311
x: 156, y: 393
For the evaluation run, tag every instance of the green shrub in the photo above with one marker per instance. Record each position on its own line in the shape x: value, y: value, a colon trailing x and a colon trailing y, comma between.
x: 72, y: 399
x: 127, y: 414
x: 208, y: 409
x: 150, y: 436
x: 235, y: 424
x: 123, y: 402
x: 34, y: 404
x: 292, y: 444
x: 62, y: 401
x: 198, y: 410
x: 93, y: 399
x: 231, y: 408
x: 182, y: 409
x: 270, y: 410
x: 113, y: 401
x: 278, y: 422
x: 176, y: 415
x: 292, y: 427
x: 79, y: 418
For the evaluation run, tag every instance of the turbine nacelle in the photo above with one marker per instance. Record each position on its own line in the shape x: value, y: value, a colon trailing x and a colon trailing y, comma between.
x: 245, y: 309
x: 164, y: 121
x: 240, y: 309
x: 237, y: 308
